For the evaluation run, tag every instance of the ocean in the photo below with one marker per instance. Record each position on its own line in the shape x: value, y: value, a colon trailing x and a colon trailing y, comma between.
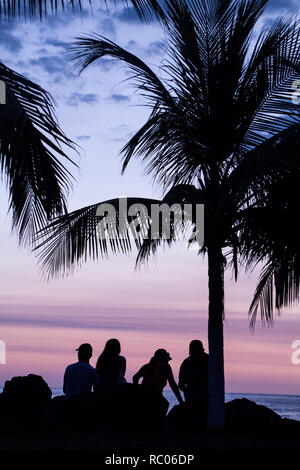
x: 287, y: 406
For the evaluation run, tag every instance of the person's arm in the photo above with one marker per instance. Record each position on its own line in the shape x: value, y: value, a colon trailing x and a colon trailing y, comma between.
x: 173, y: 385
x: 93, y: 375
x: 65, y: 381
x: 124, y: 367
x: 182, y: 380
x: 138, y: 375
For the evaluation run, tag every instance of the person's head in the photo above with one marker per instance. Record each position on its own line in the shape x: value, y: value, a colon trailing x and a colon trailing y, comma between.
x: 108, y: 359
x: 161, y: 355
x: 196, y: 347
x: 112, y: 347
x: 85, y: 352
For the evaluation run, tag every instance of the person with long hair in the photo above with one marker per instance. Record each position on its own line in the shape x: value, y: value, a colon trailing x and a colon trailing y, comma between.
x: 111, y: 366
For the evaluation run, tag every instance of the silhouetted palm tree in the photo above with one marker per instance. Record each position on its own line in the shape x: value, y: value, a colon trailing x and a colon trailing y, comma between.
x: 223, y: 131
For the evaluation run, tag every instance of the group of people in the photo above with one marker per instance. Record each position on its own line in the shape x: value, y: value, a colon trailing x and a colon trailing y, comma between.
x: 82, y: 378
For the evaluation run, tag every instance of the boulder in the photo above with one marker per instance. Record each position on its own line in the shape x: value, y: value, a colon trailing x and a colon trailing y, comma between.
x: 187, y: 419
x: 31, y: 389
x: 245, y: 417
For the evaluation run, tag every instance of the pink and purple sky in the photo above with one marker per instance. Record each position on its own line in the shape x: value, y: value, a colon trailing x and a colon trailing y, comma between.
x: 163, y: 306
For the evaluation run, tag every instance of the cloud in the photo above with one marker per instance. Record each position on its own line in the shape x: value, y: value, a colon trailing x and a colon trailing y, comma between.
x: 106, y: 26
x: 52, y: 64
x: 155, y: 48
x: 8, y: 40
x: 129, y: 15
x: 83, y: 137
x: 76, y: 98
x: 281, y: 6
x: 55, y: 43
x: 119, y: 98
x: 66, y: 16
x: 115, y: 319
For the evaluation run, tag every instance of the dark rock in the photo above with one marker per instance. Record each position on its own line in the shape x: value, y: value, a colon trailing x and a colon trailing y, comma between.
x: 31, y: 389
x: 290, y: 427
x: 187, y: 419
x: 247, y: 418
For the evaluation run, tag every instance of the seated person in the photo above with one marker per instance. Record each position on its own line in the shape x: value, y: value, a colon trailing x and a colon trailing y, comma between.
x: 111, y: 366
x: 193, y: 380
x: 157, y: 373
x: 80, y: 377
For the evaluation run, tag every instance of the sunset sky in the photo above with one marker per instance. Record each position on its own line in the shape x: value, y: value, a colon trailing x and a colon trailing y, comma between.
x: 163, y: 306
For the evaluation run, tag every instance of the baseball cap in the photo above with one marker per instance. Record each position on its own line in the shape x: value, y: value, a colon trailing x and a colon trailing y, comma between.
x: 85, y: 348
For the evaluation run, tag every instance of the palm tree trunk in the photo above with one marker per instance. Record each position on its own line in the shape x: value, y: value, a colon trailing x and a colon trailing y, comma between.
x: 216, y: 381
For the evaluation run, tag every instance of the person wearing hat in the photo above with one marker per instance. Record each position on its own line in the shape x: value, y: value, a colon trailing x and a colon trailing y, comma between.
x: 80, y: 377
x: 157, y: 373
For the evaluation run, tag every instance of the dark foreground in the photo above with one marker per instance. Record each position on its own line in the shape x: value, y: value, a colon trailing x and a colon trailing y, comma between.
x: 129, y: 421
x: 110, y: 442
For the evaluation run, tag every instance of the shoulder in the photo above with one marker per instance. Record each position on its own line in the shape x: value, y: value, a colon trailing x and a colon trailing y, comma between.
x: 122, y: 359
x: 186, y: 362
x: 85, y: 366
x: 71, y: 366
x: 89, y: 367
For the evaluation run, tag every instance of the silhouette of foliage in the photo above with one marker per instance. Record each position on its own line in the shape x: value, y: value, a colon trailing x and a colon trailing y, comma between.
x: 31, y: 149
x: 223, y: 130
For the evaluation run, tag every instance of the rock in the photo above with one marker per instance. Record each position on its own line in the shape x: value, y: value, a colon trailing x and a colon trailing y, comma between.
x: 31, y: 389
x: 247, y: 418
x: 187, y: 419
x: 290, y: 427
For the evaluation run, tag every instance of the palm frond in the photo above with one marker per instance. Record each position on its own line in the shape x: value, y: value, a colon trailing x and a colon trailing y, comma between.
x: 87, y: 233
x: 32, y: 9
x: 119, y: 225
x: 191, y: 227
x: 268, y: 236
x: 276, y: 157
x: 86, y: 49
x: 278, y: 287
x: 30, y: 154
x: 266, y: 87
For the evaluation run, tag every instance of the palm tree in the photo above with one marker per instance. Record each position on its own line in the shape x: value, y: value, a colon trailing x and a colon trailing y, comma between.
x: 223, y: 131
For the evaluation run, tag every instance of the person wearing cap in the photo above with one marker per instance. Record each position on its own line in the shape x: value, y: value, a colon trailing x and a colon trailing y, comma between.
x: 80, y: 377
x: 193, y: 378
x: 157, y: 373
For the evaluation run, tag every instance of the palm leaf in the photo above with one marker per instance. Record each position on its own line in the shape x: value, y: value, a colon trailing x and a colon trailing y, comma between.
x: 268, y: 236
x: 30, y: 154
x: 76, y: 237
x: 40, y: 8
x: 86, y: 49
x: 266, y: 89
x: 179, y: 195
